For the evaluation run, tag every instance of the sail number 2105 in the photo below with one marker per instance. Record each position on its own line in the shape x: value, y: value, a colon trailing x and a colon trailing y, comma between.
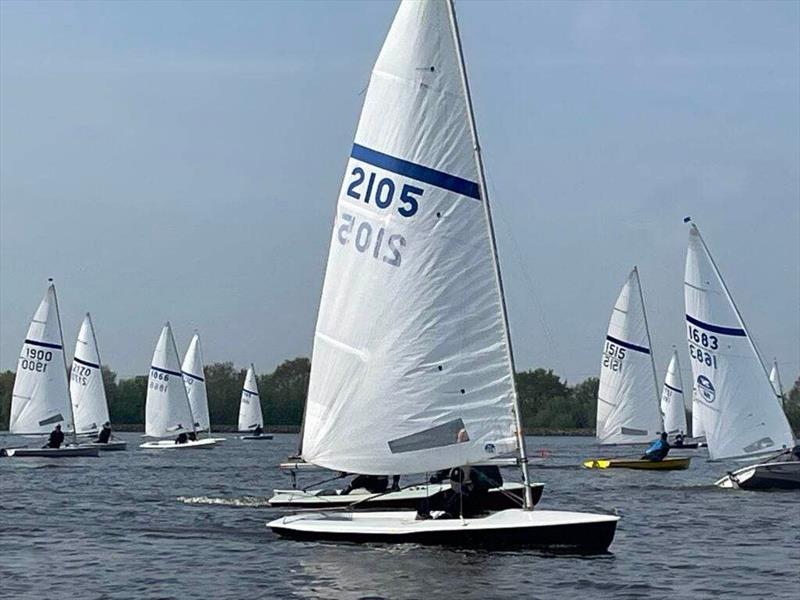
x: 383, y: 192
x: 371, y: 239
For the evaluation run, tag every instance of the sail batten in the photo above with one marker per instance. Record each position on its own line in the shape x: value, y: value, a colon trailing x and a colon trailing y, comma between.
x: 411, y: 350
x: 732, y: 392
x: 40, y: 398
x: 627, y: 409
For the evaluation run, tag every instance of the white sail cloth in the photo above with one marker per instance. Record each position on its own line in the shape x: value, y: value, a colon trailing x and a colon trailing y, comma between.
x: 672, y: 403
x: 775, y: 380
x: 86, y: 387
x: 411, y: 368
x: 40, y: 399
x: 740, y: 415
x: 195, y: 381
x: 627, y: 404
x: 250, y: 415
x: 167, y: 410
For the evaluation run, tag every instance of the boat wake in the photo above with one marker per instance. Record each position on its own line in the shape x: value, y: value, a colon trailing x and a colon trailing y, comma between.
x: 242, y: 502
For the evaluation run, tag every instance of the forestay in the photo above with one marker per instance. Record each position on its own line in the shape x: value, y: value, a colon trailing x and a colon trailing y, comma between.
x: 250, y: 415
x: 740, y: 417
x: 194, y: 379
x: 627, y: 404
x: 672, y: 404
x: 167, y: 409
x: 86, y: 382
x: 40, y: 399
x: 411, y: 366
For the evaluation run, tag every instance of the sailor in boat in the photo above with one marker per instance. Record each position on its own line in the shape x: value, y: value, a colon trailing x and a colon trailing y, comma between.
x: 678, y: 440
x: 105, y: 434
x: 375, y: 484
x: 790, y: 455
x: 192, y: 436
x: 182, y: 439
x: 258, y: 430
x: 658, y: 450
x: 56, y: 438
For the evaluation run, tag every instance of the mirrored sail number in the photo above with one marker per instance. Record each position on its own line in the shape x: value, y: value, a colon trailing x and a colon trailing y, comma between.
x: 81, y: 374
x: 371, y: 239
x: 701, y: 345
x: 382, y: 192
x: 613, y: 355
x: 36, y: 360
x: 159, y: 381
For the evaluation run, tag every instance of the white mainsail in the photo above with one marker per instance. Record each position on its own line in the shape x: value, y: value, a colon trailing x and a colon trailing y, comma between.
x: 740, y: 415
x: 40, y: 399
x: 775, y: 380
x: 167, y: 409
x: 86, y: 387
x: 627, y: 401
x: 672, y: 403
x: 250, y: 415
x: 698, y: 408
x: 195, y: 381
x: 412, y: 368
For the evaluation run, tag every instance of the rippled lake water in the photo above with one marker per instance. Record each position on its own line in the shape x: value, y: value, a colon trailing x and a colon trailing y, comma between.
x: 141, y: 524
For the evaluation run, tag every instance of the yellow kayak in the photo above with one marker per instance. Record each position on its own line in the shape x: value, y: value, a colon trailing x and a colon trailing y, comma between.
x: 668, y: 464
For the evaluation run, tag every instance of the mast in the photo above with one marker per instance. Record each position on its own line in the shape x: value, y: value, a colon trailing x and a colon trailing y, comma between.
x: 523, y: 455
x: 649, y: 343
x: 64, y: 356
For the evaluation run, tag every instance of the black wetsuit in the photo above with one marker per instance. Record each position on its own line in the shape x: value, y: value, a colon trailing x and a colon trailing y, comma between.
x: 182, y: 439
x: 258, y: 431
x: 56, y: 439
x: 104, y: 436
x: 375, y: 484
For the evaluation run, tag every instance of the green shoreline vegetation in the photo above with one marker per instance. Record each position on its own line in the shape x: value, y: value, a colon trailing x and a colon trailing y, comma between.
x: 550, y: 406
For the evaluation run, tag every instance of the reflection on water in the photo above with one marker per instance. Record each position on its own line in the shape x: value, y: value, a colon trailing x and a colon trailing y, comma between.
x: 174, y: 525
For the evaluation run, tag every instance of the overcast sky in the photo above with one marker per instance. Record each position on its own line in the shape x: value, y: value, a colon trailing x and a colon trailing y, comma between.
x: 182, y: 161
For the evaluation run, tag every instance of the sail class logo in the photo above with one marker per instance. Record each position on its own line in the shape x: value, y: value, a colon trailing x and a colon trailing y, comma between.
x: 706, y: 388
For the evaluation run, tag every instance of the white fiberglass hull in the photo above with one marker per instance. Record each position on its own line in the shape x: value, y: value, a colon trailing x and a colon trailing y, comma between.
x: 203, y: 444
x: 63, y: 452
x: 509, y: 497
x: 508, y: 528
x: 777, y: 475
x: 263, y: 436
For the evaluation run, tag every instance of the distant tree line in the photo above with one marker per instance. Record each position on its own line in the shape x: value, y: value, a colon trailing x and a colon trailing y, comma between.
x: 547, y: 402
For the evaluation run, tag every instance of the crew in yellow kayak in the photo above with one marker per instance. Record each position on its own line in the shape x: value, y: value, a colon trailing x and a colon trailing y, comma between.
x: 658, y: 450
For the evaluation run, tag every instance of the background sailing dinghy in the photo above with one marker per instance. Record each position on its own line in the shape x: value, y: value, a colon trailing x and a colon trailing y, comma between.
x: 670, y: 463
x: 89, y: 403
x: 167, y: 409
x: 412, y: 367
x: 672, y: 406
x: 250, y: 415
x: 195, y: 381
x: 40, y: 399
x: 743, y: 418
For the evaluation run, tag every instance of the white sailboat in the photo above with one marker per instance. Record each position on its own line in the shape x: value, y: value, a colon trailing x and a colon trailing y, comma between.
x: 672, y: 404
x: 627, y: 402
x: 40, y: 399
x: 89, y: 403
x: 195, y: 381
x: 412, y: 367
x: 742, y: 418
x: 167, y: 409
x: 250, y: 415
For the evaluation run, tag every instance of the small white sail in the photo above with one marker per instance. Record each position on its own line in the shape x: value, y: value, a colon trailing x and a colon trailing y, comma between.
x: 167, y: 410
x: 739, y: 412
x: 40, y: 399
x: 195, y: 381
x: 250, y: 415
x: 411, y: 368
x: 86, y: 382
x: 775, y: 380
x: 672, y: 403
x: 627, y: 403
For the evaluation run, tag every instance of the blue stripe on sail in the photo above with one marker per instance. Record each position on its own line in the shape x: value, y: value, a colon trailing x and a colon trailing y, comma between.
x: 85, y: 363
x: 43, y: 344
x: 735, y: 331
x: 167, y: 371
x: 628, y: 345
x: 249, y: 392
x: 193, y: 376
x: 669, y: 387
x: 405, y: 168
